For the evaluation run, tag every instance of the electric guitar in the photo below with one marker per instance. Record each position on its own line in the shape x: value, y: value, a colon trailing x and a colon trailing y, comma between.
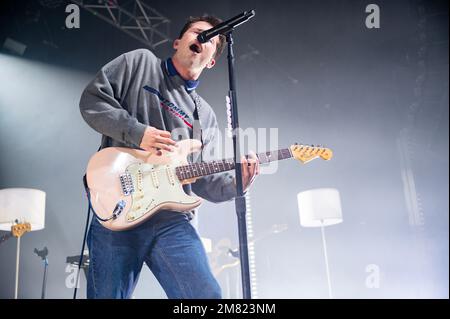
x: 127, y: 186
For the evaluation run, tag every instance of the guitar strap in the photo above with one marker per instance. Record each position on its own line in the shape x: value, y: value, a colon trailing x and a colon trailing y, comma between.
x: 196, y: 126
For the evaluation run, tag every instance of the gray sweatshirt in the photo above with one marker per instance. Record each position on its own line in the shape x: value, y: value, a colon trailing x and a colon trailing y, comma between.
x: 134, y: 91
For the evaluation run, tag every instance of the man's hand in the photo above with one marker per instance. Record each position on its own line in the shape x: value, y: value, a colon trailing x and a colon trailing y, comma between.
x: 156, y: 140
x: 250, y: 169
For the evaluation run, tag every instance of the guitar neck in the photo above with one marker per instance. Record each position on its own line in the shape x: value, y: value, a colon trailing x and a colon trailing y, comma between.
x: 196, y: 170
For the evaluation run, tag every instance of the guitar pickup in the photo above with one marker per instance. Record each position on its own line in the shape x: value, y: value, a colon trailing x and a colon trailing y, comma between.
x: 126, y: 182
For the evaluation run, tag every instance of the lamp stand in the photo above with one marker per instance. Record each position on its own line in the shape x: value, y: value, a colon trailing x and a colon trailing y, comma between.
x: 16, y: 290
x: 330, y: 294
x: 18, y: 230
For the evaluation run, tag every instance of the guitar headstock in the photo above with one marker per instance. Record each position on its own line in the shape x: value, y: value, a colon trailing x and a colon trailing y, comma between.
x: 19, y: 229
x: 306, y: 153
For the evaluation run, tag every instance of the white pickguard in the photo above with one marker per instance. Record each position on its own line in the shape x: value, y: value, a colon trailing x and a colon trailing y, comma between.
x: 155, y: 185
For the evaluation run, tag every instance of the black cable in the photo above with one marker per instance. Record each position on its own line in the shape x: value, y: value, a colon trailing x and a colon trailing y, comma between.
x: 84, y: 237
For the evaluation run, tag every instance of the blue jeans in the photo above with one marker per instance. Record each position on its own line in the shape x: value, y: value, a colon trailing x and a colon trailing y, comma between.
x: 167, y: 243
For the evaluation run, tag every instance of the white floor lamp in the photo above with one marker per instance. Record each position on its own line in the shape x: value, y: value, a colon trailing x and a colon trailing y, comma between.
x: 21, y: 210
x: 318, y: 208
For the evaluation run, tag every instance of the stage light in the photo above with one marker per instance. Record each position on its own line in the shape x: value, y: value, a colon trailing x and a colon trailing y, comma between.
x: 318, y: 208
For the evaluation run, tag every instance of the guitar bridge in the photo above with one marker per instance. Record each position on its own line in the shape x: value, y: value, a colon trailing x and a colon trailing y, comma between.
x: 126, y: 182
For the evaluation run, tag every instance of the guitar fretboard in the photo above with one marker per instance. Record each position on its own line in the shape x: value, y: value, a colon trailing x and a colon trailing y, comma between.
x: 195, y: 170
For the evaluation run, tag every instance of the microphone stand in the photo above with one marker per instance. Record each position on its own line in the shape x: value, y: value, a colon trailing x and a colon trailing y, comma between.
x: 43, y: 254
x: 240, y: 201
x: 44, y: 281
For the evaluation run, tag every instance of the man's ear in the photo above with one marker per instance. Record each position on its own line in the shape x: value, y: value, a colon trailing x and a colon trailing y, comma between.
x: 176, y: 43
x: 211, y: 63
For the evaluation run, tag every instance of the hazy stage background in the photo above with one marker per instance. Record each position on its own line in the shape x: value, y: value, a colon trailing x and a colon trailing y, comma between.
x: 313, y: 70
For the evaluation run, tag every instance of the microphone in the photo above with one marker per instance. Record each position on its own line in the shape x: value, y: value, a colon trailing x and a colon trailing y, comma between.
x: 225, y: 26
x: 41, y: 253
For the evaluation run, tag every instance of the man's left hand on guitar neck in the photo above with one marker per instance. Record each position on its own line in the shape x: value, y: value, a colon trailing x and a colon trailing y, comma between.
x: 250, y: 169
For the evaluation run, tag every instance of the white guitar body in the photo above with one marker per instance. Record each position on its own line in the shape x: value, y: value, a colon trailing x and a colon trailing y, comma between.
x: 127, y: 186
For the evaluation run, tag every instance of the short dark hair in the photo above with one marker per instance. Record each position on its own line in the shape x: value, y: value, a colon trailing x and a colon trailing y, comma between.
x: 212, y: 20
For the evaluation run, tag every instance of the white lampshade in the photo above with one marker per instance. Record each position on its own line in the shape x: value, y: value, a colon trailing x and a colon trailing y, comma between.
x: 23, y: 205
x: 319, y: 207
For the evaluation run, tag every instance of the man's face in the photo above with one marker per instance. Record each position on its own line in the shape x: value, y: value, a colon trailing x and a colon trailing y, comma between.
x: 191, y: 52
